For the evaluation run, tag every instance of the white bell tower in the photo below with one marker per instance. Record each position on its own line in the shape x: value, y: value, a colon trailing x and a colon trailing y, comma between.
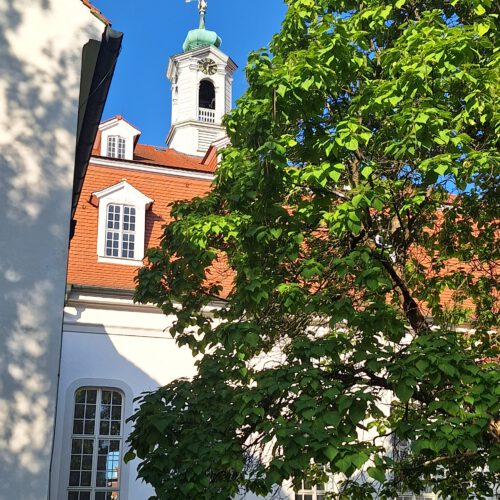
x: 201, y: 81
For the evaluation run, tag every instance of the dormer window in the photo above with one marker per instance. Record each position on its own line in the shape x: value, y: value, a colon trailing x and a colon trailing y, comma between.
x: 120, y: 231
x: 117, y: 139
x: 122, y: 224
x: 116, y: 147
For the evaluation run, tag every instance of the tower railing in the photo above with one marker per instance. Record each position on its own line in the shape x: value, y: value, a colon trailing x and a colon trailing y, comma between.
x: 206, y: 115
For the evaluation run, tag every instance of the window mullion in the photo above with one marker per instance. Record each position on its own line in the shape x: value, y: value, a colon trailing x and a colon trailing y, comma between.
x: 96, y: 442
x: 120, y: 238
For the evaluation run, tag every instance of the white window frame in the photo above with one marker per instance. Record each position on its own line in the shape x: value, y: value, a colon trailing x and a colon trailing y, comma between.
x: 121, y: 228
x: 96, y: 437
x: 313, y: 491
x: 116, y: 147
x: 123, y: 194
x: 413, y: 496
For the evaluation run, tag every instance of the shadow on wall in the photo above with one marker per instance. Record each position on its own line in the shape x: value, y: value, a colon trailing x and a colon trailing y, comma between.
x: 40, y: 57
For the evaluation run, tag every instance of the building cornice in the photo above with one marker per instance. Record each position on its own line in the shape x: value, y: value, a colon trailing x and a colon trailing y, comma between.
x: 146, y: 167
x: 99, y: 297
x: 196, y: 124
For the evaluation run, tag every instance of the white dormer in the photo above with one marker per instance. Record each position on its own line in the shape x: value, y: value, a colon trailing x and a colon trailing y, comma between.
x: 118, y: 138
x: 122, y: 224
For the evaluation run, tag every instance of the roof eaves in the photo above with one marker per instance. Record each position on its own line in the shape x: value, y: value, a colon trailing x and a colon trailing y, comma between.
x: 96, y: 12
x: 152, y: 164
x: 109, y: 49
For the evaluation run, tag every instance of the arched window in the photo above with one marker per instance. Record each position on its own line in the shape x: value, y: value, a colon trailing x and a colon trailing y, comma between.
x: 96, y: 444
x: 206, y: 95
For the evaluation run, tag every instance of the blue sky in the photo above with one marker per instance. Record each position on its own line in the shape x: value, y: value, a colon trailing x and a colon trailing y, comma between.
x: 155, y: 30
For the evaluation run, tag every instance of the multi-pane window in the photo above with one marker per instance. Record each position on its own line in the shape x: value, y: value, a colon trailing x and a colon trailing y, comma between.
x: 120, y: 231
x: 96, y: 444
x: 116, y: 146
x: 310, y: 491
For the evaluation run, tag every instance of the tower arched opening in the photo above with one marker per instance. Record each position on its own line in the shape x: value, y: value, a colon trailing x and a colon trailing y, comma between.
x: 206, y: 95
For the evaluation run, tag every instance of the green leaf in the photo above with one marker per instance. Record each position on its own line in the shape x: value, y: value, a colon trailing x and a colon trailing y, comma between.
x: 330, y: 452
x: 494, y: 464
x: 129, y: 456
x: 306, y: 84
x: 479, y: 10
x: 441, y: 169
x: 482, y: 28
x: 376, y: 473
x: 404, y: 392
x: 281, y: 90
x: 276, y: 232
x: 344, y: 464
x: 422, y: 365
x: 357, y: 412
x: 366, y: 172
x: 352, y: 144
x: 332, y: 418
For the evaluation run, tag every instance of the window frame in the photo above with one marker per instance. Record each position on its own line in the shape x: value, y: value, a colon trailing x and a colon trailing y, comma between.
x: 116, y: 147
x: 312, y: 491
x: 121, y: 231
x: 61, y: 451
x: 97, y: 437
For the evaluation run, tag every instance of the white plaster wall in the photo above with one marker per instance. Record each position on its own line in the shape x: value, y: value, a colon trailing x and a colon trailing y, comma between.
x: 102, y: 345
x: 184, y: 136
x: 40, y: 60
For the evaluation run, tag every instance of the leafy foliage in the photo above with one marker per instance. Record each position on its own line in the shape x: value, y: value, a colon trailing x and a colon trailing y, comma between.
x: 357, y: 210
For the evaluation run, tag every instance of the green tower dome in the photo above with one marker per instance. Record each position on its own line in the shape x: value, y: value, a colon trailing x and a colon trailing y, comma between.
x: 201, y: 37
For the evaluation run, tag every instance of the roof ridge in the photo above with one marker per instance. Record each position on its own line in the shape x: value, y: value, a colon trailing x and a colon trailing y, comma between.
x: 165, y: 149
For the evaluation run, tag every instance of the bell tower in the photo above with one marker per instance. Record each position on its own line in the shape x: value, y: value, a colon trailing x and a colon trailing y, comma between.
x: 201, y: 80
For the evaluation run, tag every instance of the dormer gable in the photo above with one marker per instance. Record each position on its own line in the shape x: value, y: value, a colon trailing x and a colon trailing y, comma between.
x: 124, y: 193
x: 118, y: 138
x: 121, y: 223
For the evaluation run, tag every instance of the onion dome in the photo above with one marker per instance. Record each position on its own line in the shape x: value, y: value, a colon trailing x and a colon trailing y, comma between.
x: 201, y: 37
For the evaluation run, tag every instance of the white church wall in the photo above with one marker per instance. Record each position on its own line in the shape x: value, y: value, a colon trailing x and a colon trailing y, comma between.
x: 40, y: 59
x: 113, y: 345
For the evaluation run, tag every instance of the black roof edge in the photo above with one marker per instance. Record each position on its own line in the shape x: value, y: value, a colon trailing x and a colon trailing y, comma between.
x: 92, y: 105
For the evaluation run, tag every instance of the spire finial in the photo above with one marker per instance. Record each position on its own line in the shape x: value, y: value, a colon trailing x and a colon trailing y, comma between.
x: 202, y: 8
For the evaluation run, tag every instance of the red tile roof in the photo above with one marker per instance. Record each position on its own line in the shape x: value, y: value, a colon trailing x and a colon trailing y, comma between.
x: 168, y: 157
x: 83, y: 267
x: 162, y: 157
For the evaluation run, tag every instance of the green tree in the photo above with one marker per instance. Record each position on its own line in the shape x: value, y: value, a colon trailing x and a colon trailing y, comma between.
x: 361, y: 187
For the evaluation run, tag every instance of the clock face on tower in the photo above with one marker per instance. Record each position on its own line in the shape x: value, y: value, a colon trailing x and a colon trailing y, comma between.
x: 207, y: 66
